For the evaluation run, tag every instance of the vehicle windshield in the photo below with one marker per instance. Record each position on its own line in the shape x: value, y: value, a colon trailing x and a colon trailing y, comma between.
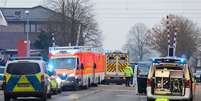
x: 63, y: 63
x: 143, y: 68
x: 23, y: 68
x: 1, y: 70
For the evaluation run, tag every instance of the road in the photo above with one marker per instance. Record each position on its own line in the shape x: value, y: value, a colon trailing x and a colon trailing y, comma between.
x: 102, y: 93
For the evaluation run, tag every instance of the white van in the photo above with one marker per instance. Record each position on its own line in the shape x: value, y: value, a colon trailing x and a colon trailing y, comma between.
x: 170, y: 78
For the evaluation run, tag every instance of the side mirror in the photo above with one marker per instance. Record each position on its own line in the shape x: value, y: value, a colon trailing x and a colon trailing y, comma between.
x: 82, y: 66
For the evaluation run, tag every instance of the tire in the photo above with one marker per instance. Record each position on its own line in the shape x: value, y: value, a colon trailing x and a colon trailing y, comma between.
x: 15, y: 98
x: 44, y: 97
x: 89, y: 83
x: 95, y: 85
x: 76, y: 87
x: 49, y: 96
x: 87, y: 86
x: 191, y: 99
x: 150, y: 99
x: 99, y: 80
x: 6, y: 98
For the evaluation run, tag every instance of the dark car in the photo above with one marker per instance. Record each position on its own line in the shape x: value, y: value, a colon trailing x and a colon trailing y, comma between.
x: 142, y: 73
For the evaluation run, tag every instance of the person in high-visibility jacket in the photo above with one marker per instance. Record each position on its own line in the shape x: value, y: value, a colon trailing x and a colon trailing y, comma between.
x: 128, y: 74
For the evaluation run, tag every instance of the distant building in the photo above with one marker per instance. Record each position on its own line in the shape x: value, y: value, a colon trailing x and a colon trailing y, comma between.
x: 17, y: 25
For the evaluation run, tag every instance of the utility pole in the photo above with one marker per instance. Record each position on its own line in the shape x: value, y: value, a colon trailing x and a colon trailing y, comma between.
x: 27, y: 36
x: 175, y: 40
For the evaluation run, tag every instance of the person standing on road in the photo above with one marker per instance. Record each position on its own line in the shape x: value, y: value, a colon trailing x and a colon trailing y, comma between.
x: 128, y: 74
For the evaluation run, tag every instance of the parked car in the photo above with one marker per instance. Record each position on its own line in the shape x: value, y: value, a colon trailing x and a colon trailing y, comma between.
x: 141, y: 75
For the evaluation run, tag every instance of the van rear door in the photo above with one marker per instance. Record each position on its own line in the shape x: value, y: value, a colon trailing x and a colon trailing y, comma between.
x: 23, y: 76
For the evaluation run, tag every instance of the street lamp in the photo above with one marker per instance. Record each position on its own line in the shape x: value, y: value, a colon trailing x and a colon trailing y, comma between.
x: 27, y: 36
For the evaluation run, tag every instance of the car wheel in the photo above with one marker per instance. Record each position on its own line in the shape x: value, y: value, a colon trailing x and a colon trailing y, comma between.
x: 6, y: 98
x: 89, y: 83
x: 150, y: 99
x: 15, y: 98
x: 44, y: 97
x: 191, y: 99
x: 76, y: 87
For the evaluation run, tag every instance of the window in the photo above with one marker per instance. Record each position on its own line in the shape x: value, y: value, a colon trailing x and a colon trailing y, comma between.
x: 1, y: 70
x: 23, y: 68
x: 143, y: 69
x: 33, y: 28
x: 63, y: 63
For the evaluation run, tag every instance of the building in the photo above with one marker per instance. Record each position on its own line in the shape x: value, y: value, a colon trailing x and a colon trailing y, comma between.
x: 17, y: 25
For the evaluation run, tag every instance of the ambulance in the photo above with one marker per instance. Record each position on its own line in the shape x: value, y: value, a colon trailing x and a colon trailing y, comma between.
x: 115, y: 67
x: 77, y: 66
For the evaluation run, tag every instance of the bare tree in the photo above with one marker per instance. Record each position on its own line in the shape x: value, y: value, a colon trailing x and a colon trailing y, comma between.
x: 93, y: 36
x: 187, y: 36
x: 136, y: 43
x: 74, y: 17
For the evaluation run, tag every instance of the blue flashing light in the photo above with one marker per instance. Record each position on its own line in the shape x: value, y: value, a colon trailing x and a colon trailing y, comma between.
x: 50, y: 67
x: 153, y: 60
x: 182, y: 61
x: 63, y: 76
x: 107, y: 51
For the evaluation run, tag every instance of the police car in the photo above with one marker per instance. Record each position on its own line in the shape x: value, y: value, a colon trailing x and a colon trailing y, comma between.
x: 1, y: 76
x: 26, y: 78
x: 170, y: 78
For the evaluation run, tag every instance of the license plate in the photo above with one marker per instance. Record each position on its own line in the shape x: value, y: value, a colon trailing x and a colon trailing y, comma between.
x: 23, y: 85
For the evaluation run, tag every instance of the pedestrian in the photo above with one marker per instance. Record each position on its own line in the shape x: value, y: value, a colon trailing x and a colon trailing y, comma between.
x: 128, y: 74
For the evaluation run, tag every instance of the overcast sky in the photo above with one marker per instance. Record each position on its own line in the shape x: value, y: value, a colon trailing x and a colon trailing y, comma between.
x: 116, y: 17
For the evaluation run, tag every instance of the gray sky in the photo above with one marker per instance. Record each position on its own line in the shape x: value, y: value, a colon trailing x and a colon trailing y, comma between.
x: 116, y: 17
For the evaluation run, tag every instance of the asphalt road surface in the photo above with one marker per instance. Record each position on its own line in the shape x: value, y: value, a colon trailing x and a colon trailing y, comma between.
x: 102, y: 93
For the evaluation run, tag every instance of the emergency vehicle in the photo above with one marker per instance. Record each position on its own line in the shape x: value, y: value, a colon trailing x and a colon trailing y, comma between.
x: 78, y: 66
x: 26, y: 77
x: 170, y: 78
x: 116, y: 64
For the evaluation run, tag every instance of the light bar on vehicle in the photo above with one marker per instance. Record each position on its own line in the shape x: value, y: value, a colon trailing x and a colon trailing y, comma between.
x: 73, y: 49
x: 169, y: 60
x: 26, y: 58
